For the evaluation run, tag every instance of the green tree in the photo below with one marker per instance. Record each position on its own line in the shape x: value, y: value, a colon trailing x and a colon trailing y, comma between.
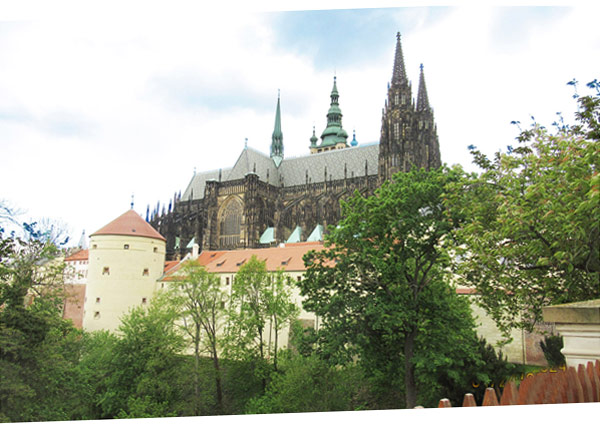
x: 39, y: 351
x: 532, y: 234
x: 260, y: 304
x: 381, y: 287
x: 95, y: 368
x: 309, y: 384
x: 142, y: 378
x: 200, y: 302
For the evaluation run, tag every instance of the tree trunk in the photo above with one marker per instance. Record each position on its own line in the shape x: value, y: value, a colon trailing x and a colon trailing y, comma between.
x: 218, y: 384
x: 276, y: 345
x: 197, y: 373
x: 262, y: 358
x: 409, y: 369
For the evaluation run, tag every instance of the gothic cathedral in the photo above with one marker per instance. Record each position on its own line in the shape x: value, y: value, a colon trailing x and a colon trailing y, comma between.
x: 265, y: 200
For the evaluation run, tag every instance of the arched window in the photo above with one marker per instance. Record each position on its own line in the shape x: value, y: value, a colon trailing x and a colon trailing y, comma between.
x: 230, y: 223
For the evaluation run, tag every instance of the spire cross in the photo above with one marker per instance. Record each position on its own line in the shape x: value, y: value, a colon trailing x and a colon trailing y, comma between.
x: 398, y: 36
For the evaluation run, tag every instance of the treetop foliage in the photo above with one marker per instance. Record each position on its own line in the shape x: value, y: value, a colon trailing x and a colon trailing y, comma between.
x: 532, y: 234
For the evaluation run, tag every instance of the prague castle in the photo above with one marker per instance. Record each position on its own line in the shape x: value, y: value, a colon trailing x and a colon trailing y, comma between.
x: 265, y: 200
x: 271, y: 207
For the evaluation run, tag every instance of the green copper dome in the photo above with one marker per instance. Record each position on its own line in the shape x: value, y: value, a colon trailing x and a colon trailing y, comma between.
x: 334, y: 133
x: 313, y: 139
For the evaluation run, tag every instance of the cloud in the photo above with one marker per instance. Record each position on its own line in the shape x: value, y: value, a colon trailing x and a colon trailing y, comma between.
x: 93, y: 110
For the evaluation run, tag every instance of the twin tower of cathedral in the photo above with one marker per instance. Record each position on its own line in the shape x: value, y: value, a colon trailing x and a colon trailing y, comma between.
x: 265, y: 200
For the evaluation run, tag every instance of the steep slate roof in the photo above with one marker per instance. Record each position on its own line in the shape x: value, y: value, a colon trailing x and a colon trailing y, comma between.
x: 253, y: 161
x: 198, y: 182
x: 129, y: 224
x: 293, y: 170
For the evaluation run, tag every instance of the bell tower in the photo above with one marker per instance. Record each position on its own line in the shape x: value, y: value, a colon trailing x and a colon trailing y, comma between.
x: 408, y: 132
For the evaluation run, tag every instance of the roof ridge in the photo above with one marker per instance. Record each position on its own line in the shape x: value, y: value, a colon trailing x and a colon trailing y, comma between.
x: 334, y: 151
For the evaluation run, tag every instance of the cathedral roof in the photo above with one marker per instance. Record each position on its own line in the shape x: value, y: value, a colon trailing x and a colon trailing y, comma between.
x: 129, y: 224
x: 195, y: 189
x: 293, y: 171
x: 253, y: 161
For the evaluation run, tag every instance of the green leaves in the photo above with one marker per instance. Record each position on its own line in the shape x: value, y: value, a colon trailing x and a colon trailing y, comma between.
x: 532, y: 230
x: 260, y: 304
x: 383, y: 281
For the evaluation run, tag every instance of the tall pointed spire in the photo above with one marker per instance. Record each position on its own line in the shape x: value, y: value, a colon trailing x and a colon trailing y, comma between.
x: 399, y: 73
x: 277, y: 137
x: 422, y: 99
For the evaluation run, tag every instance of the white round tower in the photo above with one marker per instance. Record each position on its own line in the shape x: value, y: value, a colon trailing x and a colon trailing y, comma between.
x: 126, y: 258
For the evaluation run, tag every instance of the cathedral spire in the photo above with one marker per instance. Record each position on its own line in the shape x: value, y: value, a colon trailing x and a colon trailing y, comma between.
x: 399, y: 73
x: 422, y: 99
x: 277, y: 137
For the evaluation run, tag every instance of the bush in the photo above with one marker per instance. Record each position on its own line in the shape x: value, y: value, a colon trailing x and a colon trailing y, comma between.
x: 308, y: 384
x: 551, y: 346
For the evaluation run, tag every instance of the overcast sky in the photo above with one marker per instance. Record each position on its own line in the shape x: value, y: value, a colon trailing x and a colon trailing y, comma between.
x: 99, y: 103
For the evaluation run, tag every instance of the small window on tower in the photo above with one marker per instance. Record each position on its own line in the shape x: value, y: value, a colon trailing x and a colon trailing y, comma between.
x: 94, y: 246
x: 144, y: 300
x: 299, y: 278
x: 226, y: 281
x: 146, y: 272
x: 396, y: 99
x: 126, y: 246
x: 106, y: 271
x: 97, y: 315
x: 97, y: 300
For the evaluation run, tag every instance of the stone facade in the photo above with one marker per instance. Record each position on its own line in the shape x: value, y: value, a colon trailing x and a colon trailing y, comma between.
x: 266, y: 200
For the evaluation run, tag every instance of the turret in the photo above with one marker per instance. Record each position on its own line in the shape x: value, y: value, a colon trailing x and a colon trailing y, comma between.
x: 334, y: 136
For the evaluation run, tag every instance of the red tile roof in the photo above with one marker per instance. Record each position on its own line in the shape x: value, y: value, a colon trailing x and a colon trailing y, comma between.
x: 81, y: 255
x: 169, y: 265
x: 129, y: 224
x: 288, y: 258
